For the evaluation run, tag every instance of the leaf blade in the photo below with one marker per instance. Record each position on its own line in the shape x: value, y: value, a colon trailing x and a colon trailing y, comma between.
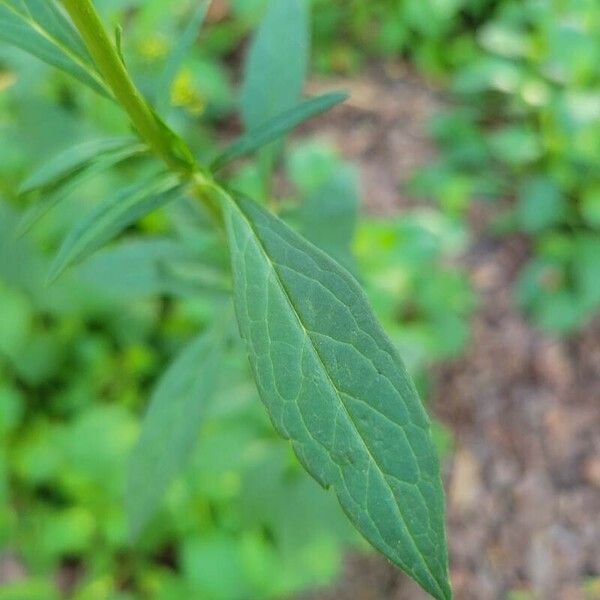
x: 170, y: 427
x: 334, y: 385
x: 23, y: 31
x: 63, y: 190
x: 110, y: 218
x: 328, y: 215
x: 70, y: 160
x: 58, y: 26
x: 277, y: 126
x: 276, y: 64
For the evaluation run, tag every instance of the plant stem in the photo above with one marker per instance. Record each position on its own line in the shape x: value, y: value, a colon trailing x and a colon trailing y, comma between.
x: 156, y: 134
x: 113, y: 70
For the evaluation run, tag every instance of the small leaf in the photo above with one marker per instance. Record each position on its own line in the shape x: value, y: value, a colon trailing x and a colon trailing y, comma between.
x: 171, y: 426
x: 73, y: 159
x: 327, y: 216
x: 132, y: 268
x: 334, y: 385
x: 110, y: 218
x: 41, y: 30
x: 178, y: 53
x: 56, y: 195
x: 276, y: 65
x: 278, y: 126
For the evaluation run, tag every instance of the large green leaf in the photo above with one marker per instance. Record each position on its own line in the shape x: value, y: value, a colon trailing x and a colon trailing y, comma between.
x: 111, y: 217
x: 278, y: 126
x: 334, y: 385
x: 276, y: 65
x: 171, y: 426
x: 40, y: 29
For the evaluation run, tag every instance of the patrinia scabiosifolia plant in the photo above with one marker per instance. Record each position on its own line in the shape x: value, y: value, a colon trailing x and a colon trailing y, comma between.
x: 328, y: 375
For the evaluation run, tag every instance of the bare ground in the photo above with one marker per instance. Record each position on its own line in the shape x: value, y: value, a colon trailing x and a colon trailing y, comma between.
x: 523, y: 485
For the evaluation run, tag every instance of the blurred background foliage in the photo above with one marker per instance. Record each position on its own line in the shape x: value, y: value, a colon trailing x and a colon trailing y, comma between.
x: 78, y: 359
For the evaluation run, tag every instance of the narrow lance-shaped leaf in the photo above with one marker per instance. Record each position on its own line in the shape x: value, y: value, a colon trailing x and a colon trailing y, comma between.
x: 54, y: 46
x: 59, y: 193
x: 178, y: 53
x: 47, y: 14
x: 111, y: 217
x: 275, y: 69
x: 278, y: 126
x: 335, y: 386
x: 71, y: 160
x: 171, y: 426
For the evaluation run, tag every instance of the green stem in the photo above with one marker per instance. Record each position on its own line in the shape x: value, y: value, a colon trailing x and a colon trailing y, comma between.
x: 113, y: 71
x: 155, y: 133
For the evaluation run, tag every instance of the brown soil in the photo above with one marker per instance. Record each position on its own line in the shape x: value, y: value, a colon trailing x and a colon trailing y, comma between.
x: 523, y: 485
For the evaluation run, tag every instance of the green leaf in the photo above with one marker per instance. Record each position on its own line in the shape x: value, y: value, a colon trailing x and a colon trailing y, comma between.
x: 47, y: 14
x: 540, y: 204
x: 133, y: 268
x: 41, y: 30
x: 54, y: 196
x: 276, y: 65
x: 111, y: 217
x: 327, y: 216
x: 73, y: 159
x: 278, y: 126
x: 334, y: 385
x: 178, y: 53
x: 171, y: 427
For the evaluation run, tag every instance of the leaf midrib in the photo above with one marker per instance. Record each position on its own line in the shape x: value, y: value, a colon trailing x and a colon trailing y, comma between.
x: 308, y: 335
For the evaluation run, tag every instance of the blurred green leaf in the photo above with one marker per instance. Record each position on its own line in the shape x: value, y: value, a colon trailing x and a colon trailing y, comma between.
x: 540, y: 204
x: 278, y: 126
x: 40, y: 29
x: 62, y: 191
x: 213, y: 567
x: 277, y: 61
x: 111, y: 217
x: 67, y: 163
x: 134, y: 268
x: 516, y: 145
x: 171, y: 426
x: 590, y: 206
x: 328, y: 216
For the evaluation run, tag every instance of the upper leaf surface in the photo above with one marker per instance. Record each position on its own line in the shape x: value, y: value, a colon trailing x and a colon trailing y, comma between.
x: 277, y: 62
x: 277, y: 126
x: 335, y: 386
